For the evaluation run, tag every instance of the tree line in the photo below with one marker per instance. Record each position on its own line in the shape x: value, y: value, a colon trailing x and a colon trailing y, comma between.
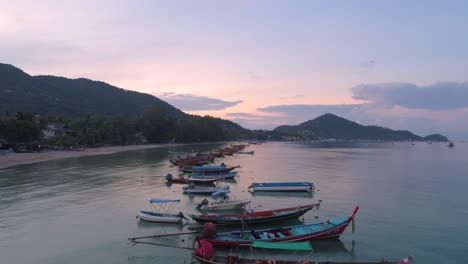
x: 94, y: 131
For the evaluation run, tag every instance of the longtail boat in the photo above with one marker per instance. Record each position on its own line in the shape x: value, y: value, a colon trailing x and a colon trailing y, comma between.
x: 245, y: 152
x: 223, y: 175
x: 205, y: 255
x: 189, y: 162
x: 192, y: 189
x: 208, y: 169
x: 283, y: 186
x: 329, y: 229
x: 170, y: 179
x: 255, y: 217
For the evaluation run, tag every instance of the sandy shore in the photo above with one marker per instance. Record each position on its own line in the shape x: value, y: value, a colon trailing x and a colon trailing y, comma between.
x: 13, y: 159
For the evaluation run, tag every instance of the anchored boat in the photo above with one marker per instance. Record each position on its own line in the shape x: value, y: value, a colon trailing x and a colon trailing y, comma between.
x: 224, y: 175
x: 255, y: 217
x: 208, y: 169
x: 171, y: 179
x: 329, y: 229
x: 205, y: 254
x: 222, y: 202
x: 192, y: 189
x: 162, y: 215
x: 283, y: 186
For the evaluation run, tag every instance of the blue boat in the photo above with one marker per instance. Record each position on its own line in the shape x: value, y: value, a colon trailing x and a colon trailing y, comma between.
x: 283, y: 187
x: 226, y: 175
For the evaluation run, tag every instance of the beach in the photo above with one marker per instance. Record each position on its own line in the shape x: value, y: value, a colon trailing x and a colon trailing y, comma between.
x: 10, y: 159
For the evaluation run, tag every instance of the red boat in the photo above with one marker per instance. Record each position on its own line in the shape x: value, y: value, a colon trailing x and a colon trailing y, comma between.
x: 329, y: 229
x: 255, y: 217
x: 205, y: 255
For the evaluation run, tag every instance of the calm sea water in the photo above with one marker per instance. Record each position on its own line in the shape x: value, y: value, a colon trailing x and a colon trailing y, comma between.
x: 413, y: 201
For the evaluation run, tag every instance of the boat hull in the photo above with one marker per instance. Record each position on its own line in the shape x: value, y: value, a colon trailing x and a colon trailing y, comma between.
x: 255, y: 218
x: 225, y: 206
x: 228, y: 259
x: 158, y: 217
x: 283, y: 187
x: 329, y: 229
x: 205, y: 190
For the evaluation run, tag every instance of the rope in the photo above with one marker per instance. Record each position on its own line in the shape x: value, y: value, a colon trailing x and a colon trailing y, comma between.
x: 164, y: 235
x: 162, y: 245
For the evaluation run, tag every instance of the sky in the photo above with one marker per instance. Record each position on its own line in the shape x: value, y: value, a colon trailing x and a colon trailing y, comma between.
x: 398, y: 64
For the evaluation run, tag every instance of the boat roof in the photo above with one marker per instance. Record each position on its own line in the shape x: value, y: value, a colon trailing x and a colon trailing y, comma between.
x: 163, y: 201
x: 306, y: 246
x: 220, y: 192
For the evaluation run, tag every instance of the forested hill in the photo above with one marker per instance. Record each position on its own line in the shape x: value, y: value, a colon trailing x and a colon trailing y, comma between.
x: 50, y: 95
x: 330, y: 126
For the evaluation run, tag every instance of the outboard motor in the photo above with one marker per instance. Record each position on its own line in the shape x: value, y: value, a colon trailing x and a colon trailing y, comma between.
x: 181, y: 215
x: 209, y: 230
x: 204, y: 202
x: 168, y: 177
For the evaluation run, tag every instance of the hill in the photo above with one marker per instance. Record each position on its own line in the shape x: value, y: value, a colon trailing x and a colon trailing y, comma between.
x: 330, y: 126
x: 436, y: 138
x: 50, y: 95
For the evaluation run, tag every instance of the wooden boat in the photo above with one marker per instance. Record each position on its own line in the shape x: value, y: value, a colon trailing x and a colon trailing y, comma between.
x: 255, y: 217
x: 192, y: 189
x: 283, y: 186
x: 222, y: 202
x: 208, y: 169
x: 194, y: 162
x: 224, y: 175
x: 206, y: 180
x: 205, y: 255
x: 245, y: 152
x: 329, y: 229
x: 163, y: 215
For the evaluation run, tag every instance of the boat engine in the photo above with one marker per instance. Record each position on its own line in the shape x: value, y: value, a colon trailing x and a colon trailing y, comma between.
x: 204, y: 202
x: 209, y: 230
x: 181, y: 215
x: 168, y: 176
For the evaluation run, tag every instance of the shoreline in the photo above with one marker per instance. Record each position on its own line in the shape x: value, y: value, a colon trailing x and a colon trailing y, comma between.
x: 12, y: 159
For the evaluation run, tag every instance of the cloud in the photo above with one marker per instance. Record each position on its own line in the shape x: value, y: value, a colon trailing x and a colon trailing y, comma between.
x: 370, y: 64
x: 309, y: 110
x: 189, y: 102
x: 438, y: 96
x: 293, y: 97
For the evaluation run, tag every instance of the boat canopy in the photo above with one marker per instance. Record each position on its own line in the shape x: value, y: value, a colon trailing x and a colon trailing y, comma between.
x: 221, y: 192
x: 283, y: 245
x: 163, y: 201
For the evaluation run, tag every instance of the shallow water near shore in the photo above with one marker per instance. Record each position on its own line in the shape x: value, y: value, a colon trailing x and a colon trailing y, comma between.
x: 82, y: 210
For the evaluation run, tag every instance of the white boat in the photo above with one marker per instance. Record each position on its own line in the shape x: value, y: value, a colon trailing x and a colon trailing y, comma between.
x: 283, y: 187
x: 222, y: 202
x: 163, y: 216
x: 192, y: 188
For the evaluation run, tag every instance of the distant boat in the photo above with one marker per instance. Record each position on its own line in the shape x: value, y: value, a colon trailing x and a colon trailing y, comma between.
x: 169, y: 178
x: 245, y: 152
x: 451, y: 145
x: 283, y: 187
x: 192, y: 189
x: 163, y: 215
x: 208, y: 169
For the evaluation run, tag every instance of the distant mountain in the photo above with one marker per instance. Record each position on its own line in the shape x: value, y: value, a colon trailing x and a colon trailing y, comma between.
x: 50, y: 95
x: 436, y: 138
x: 330, y: 126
